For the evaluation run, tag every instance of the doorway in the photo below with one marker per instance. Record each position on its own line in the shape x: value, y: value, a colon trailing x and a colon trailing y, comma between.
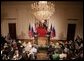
x: 71, y: 31
x: 12, y: 30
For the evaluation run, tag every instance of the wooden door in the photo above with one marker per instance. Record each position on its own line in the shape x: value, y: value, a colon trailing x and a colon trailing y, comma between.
x: 71, y: 31
x: 12, y: 30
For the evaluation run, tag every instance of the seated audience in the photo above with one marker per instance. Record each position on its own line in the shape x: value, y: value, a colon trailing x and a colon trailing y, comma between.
x: 16, y: 50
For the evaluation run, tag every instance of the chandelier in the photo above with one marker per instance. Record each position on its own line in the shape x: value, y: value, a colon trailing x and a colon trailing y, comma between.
x: 43, y: 10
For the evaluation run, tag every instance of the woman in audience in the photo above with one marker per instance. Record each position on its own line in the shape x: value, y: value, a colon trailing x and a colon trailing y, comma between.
x: 55, y: 56
x: 6, y: 49
x: 5, y: 45
x: 78, y: 39
x: 50, y: 51
x: 66, y: 50
x: 57, y: 46
x: 62, y: 45
x: 16, y: 55
x: 14, y: 44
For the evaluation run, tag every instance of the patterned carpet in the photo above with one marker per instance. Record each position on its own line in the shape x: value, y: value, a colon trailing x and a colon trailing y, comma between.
x: 42, y: 56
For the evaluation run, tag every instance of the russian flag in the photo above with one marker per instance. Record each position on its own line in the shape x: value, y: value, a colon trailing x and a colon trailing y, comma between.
x: 30, y: 31
x: 53, y: 32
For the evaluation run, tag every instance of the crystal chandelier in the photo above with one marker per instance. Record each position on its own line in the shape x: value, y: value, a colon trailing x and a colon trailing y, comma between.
x: 43, y: 10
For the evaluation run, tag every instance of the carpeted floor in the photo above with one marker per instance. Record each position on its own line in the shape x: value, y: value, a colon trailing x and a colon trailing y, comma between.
x: 42, y: 56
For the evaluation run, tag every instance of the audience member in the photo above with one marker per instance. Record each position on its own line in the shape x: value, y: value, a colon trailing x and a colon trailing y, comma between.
x: 63, y: 56
x: 16, y: 55
x: 55, y: 56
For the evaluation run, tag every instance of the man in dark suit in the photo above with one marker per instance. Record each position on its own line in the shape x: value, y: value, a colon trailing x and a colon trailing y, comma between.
x: 45, y: 24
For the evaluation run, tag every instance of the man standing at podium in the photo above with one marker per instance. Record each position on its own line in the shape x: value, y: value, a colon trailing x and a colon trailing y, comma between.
x: 45, y: 24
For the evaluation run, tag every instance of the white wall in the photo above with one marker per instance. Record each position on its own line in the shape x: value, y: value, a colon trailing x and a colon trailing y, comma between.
x: 23, y: 14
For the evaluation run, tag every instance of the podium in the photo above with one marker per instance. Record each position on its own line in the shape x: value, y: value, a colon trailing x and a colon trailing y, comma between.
x: 42, y: 41
x: 41, y: 37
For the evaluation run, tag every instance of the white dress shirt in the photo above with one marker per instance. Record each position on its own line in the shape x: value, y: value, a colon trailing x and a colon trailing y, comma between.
x: 33, y: 50
x: 62, y: 56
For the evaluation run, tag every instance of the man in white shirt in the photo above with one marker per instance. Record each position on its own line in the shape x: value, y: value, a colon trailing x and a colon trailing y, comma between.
x: 28, y: 46
x: 63, y: 56
x: 66, y: 50
x: 24, y: 44
x: 33, y: 52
